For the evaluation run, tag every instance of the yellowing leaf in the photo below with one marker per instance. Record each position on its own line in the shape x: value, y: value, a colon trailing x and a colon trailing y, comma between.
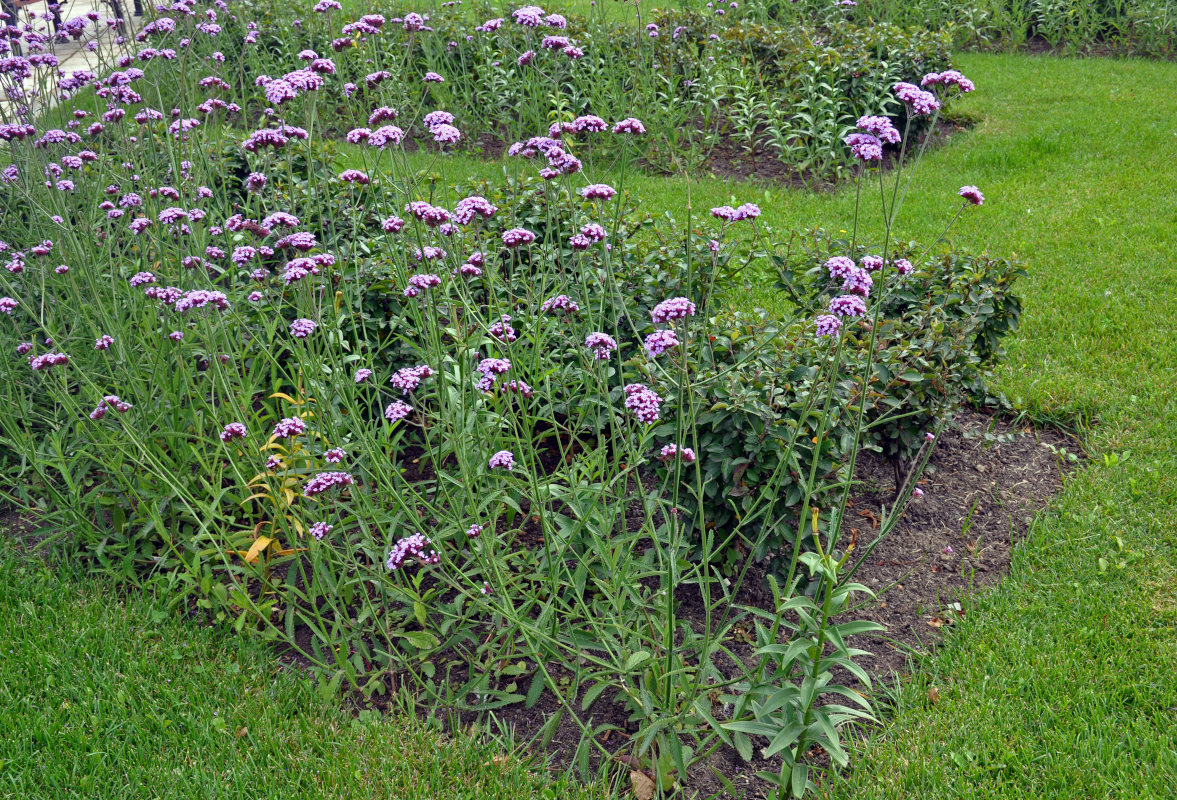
x: 259, y: 545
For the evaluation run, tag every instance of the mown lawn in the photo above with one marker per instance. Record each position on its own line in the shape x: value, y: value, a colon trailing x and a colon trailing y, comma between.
x: 104, y: 694
x: 1060, y: 683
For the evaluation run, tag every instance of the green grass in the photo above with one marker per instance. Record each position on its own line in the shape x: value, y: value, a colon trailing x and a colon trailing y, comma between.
x: 1061, y: 682
x: 104, y: 694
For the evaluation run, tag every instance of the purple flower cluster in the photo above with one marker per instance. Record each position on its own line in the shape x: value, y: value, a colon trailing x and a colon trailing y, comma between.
x: 503, y: 459
x: 474, y: 206
x: 828, y: 325
x: 672, y: 309
x: 397, y: 410
x: 919, y: 102
x: 429, y: 214
x: 107, y: 403
x: 320, y: 530
x: 729, y: 214
x: 289, y: 427
x: 326, y: 480
x: 503, y: 330
x: 561, y: 303
x: 234, y: 430
x: 491, y: 369
x: 424, y: 280
x: 598, y: 191
x: 302, y: 328
x: 685, y: 454
x: 47, y: 361
x: 848, y: 305
x: 643, y: 402
x: 660, y: 341
x: 948, y: 78
x: 972, y: 194
x: 414, y: 546
x: 407, y: 379
x: 602, y: 345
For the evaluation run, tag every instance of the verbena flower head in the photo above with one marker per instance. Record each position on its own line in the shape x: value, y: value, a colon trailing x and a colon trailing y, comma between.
x: 363, y: 374
x: 972, y: 195
x: 828, y: 325
x: 396, y: 411
x: 643, y: 402
x: 474, y: 206
x: 503, y: 459
x: 47, y: 361
x: 864, y: 147
x: 602, y: 345
x: 234, y: 430
x: 630, y: 125
x: 672, y: 309
x: 320, y: 530
x: 409, y: 378
x: 445, y: 134
x: 289, y: 427
x: 684, y: 454
x: 474, y: 531
x: 529, y: 16
x: 502, y: 330
x: 840, y: 266
x: 423, y: 281
x: 858, y: 282
x: 517, y: 236
x: 872, y: 263
x: 429, y: 214
x: 589, y: 124
x: 879, y: 127
x: 491, y: 369
x: 920, y: 102
x: 416, y: 547
x: 903, y: 266
x: 302, y: 328
x: 598, y: 191
x: 949, y: 77
x: 8, y: 305
x: 335, y: 455
x: 848, y: 305
x: 660, y: 341
x: 103, y: 342
x: 561, y: 303
x: 325, y: 481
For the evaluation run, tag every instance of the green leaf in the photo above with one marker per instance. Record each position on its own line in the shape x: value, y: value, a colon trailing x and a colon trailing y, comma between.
x: 422, y: 640
x: 640, y: 657
x: 592, y: 694
x: 535, y: 690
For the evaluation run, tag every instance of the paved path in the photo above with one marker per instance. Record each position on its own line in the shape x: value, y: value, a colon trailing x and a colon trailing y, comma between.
x: 80, y: 53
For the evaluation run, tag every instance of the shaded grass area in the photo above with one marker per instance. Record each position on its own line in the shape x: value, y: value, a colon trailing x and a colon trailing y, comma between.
x: 105, y: 694
x: 1061, y: 682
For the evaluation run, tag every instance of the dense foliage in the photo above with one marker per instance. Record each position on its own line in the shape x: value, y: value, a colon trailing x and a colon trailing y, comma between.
x: 1127, y: 27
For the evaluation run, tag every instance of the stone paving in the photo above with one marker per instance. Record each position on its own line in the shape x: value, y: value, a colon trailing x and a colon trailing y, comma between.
x: 81, y: 53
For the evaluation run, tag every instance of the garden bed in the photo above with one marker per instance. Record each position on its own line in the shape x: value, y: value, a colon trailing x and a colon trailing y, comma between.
x: 988, y: 479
